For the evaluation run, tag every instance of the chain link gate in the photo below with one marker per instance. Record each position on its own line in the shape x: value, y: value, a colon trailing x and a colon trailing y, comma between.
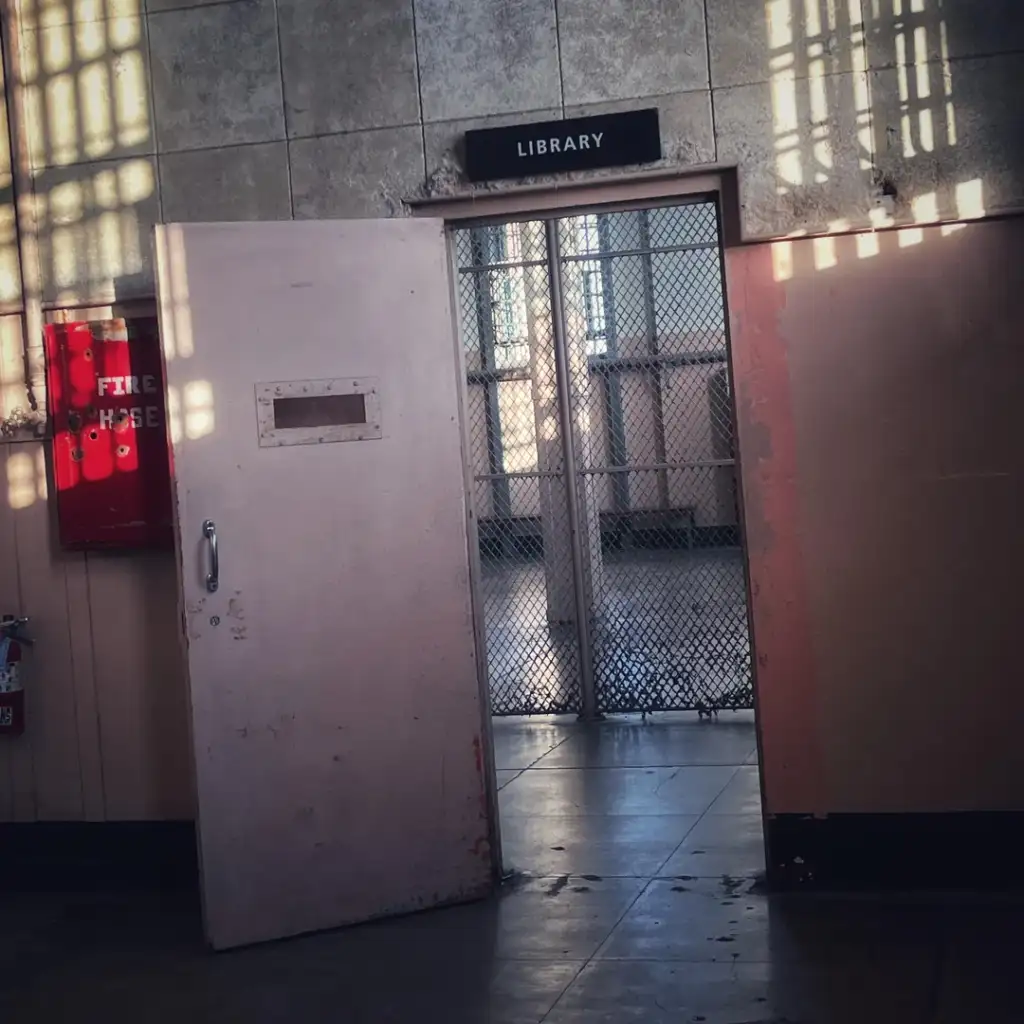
x: 616, y: 366
x: 518, y: 462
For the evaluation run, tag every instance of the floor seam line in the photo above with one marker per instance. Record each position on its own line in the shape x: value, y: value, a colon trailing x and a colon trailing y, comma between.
x: 703, y: 815
x: 590, y: 959
x: 568, y: 985
x: 545, y: 754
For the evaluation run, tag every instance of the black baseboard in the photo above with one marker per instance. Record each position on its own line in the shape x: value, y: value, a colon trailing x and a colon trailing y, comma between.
x: 972, y: 851
x: 98, y: 856
x: 969, y: 851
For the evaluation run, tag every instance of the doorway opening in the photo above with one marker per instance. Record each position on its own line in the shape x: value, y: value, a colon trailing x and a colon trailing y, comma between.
x: 611, y: 580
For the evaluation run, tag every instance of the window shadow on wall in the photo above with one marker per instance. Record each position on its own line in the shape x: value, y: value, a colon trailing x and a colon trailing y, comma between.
x: 888, y: 112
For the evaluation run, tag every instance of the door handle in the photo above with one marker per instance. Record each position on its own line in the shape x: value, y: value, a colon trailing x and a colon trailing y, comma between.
x: 213, y: 576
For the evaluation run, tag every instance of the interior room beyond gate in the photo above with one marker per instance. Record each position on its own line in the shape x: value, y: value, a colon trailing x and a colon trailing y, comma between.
x: 638, y: 537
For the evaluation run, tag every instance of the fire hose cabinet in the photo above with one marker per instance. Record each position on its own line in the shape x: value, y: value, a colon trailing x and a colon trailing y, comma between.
x: 12, y: 692
x: 110, y: 450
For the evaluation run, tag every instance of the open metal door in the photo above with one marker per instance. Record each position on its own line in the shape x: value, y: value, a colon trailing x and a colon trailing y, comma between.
x: 336, y: 713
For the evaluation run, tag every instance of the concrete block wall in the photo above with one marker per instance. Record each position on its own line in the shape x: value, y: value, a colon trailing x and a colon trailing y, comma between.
x: 306, y: 108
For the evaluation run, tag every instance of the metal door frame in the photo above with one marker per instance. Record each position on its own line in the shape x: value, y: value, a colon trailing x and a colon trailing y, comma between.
x: 718, y: 184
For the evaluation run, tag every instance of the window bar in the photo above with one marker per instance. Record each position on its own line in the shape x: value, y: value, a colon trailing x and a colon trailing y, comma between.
x: 572, y: 481
x: 657, y: 393
x: 617, y: 454
x: 501, y: 497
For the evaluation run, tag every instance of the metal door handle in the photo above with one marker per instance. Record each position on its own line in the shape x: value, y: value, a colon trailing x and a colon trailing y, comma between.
x: 213, y: 576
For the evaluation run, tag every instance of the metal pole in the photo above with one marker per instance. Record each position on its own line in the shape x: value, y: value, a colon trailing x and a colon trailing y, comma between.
x: 618, y: 452
x: 501, y: 496
x: 562, y: 384
x: 657, y: 390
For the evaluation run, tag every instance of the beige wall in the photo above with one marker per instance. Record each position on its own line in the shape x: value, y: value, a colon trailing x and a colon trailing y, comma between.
x: 106, y: 724
x: 880, y: 430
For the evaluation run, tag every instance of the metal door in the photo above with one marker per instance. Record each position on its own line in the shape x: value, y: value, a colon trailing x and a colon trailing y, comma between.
x: 324, y: 571
x: 631, y: 366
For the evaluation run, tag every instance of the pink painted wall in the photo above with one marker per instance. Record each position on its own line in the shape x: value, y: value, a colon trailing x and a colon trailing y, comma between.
x: 881, y: 429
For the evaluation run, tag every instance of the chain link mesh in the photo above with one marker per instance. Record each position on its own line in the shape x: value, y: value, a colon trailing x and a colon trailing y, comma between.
x: 655, y: 458
x: 518, y: 469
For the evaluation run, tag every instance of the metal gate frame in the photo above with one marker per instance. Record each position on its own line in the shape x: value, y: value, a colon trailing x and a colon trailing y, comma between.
x: 590, y: 706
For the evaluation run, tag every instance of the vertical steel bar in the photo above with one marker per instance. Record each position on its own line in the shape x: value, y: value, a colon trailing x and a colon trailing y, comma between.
x: 501, y: 497
x: 657, y: 393
x: 612, y: 380
x: 565, y: 410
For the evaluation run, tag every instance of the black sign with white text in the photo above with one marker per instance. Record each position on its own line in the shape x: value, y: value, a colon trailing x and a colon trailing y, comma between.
x: 557, y: 147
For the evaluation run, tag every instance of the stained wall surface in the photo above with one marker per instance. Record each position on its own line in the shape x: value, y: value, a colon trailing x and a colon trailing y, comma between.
x: 880, y: 424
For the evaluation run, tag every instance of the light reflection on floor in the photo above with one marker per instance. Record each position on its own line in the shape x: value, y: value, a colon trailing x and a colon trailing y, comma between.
x: 637, y: 845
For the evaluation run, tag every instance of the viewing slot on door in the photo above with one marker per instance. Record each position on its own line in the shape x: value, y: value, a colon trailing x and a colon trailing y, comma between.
x: 318, y: 411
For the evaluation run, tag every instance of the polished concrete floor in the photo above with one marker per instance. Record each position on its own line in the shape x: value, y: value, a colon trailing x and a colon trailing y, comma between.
x: 635, y: 851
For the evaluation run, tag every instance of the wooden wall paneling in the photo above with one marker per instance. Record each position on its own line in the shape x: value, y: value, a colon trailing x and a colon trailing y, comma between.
x: 140, y: 687
x: 10, y: 602
x: 80, y: 626
x: 51, y: 712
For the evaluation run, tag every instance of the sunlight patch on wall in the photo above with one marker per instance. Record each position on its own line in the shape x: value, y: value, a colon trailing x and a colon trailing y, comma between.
x: 903, y: 84
x: 868, y: 245
x: 925, y: 208
x: 785, y: 114
x: 50, y: 13
x: 970, y: 199
x: 174, y: 426
x: 824, y: 253
x: 26, y: 478
x: 880, y: 218
x: 789, y: 166
x: 947, y: 84
x: 822, y: 147
x: 94, y: 233
x: 41, y: 488
x: 861, y: 84
x: 131, y: 113
x: 85, y: 95
x: 10, y: 272
x: 910, y: 236
x: 175, y: 312
x: 15, y: 410
x: 782, y: 260
x: 85, y: 90
x: 926, y: 129
x: 779, y: 15
x: 198, y: 409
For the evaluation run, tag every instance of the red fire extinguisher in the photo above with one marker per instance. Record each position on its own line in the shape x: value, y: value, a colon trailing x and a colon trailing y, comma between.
x: 12, y: 693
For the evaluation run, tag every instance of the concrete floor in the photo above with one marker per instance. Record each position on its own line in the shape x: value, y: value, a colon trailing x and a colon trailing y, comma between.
x: 639, y: 845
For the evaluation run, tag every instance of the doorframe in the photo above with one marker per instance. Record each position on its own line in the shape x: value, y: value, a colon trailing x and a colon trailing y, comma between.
x: 626, y: 192
x: 716, y: 183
